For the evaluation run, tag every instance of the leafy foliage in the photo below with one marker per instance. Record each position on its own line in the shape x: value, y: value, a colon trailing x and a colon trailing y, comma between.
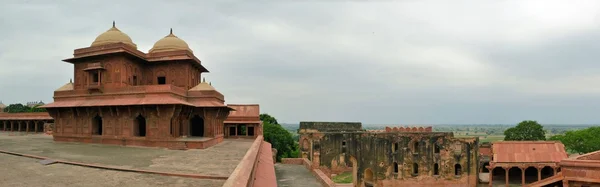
x: 525, y: 131
x: 20, y: 108
x: 580, y: 141
x: 280, y: 139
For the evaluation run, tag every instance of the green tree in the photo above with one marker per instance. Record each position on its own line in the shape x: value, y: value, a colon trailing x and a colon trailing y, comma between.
x: 37, y: 108
x: 524, y: 131
x: 580, y: 141
x: 280, y: 139
x: 266, y: 118
x: 16, y: 108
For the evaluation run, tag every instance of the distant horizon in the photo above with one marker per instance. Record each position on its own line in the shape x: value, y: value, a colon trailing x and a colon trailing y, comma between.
x: 399, y: 125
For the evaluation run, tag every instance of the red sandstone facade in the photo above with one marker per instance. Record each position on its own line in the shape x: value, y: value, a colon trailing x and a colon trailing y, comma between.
x: 123, y: 96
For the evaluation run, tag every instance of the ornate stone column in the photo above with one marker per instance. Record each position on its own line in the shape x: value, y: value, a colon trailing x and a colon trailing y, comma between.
x: 19, y: 124
x: 27, y: 127
x: 35, y: 126
x: 12, y: 126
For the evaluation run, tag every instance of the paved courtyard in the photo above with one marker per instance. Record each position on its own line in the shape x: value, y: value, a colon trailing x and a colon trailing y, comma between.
x: 20, y: 171
x: 289, y: 175
x: 219, y: 160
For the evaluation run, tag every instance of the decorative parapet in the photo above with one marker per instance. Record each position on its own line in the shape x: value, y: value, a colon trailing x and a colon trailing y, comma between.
x: 409, y: 129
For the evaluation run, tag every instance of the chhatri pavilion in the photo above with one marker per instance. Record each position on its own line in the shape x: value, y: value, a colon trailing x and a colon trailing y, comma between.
x: 123, y: 96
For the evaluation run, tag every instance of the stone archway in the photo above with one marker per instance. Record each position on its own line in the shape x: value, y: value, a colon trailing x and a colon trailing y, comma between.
x: 197, y: 126
x: 368, y: 178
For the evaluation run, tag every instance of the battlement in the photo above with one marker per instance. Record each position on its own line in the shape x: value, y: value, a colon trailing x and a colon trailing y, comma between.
x: 409, y: 129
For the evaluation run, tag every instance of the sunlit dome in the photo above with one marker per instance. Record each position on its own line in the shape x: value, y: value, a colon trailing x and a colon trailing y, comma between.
x: 113, y: 35
x: 170, y: 43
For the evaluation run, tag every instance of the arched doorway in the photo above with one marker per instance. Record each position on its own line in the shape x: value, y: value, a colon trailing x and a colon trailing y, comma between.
x: 97, y: 125
x: 139, y: 128
x: 368, y: 177
x: 197, y: 126
x: 546, y: 172
x: 436, y: 169
x: 457, y: 169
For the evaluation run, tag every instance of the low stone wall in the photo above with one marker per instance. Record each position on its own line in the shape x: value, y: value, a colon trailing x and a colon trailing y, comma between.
x: 321, y: 177
x: 243, y: 175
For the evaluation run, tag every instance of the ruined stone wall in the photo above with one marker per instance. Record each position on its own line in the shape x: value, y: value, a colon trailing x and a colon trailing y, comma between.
x: 390, y: 159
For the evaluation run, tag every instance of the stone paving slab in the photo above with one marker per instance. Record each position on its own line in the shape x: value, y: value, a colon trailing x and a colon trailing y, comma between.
x: 20, y: 172
x: 289, y: 175
x: 219, y: 160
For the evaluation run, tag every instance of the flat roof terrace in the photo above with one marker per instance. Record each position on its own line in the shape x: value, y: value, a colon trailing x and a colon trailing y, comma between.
x: 217, y: 161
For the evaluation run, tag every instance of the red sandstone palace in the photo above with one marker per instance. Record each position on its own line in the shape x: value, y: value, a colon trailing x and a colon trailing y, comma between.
x: 123, y: 96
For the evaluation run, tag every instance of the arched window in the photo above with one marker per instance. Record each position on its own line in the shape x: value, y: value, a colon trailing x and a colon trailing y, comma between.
x: 457, y: 169
x: 140, y: 126
x: 415, y: 169
x: 436, y: 169
x: 394, y: 147
x: 416, y: 146
x: 97, y: 125
x: 395, y: 167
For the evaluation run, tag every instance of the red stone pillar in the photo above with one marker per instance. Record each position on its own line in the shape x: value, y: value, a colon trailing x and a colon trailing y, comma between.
x: 506, y: 170
x: 12, y: 126
x: 19, y: 124
x: 554, y: 169
x: 491, y: 176
x: 539, y: 174
x: 27, y: 126
x: 4, y: 128
x: 522, y: 176
x: 35, y: 125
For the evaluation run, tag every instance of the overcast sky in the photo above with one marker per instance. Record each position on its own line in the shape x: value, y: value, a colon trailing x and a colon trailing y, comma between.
x: 385, y: 62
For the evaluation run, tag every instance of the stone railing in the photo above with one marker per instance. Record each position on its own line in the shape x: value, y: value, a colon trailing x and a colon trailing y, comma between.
x: 244, y: 173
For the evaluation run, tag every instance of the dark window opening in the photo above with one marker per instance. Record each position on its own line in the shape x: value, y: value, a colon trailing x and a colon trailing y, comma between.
x: 197, y: 126
x: 140, y: 126
x: 241, y: 130
x: 394, y: 147
x: 457, y: 169
x: 135, y: 80
x: 231, y: 131
x: 395, y: 168
x: 415, y: 169
x: 436, y: 148
x: 162, y: 80
x: 97, y: 125
x: 343, y: 143
x: 416, y: 147
x: 250, y: 131
x: 95, y: 77
x: 436, y: 169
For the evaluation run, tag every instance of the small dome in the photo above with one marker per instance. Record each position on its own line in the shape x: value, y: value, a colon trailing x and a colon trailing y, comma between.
x: 170, y: 43
x: 66, y: 87
x: 203, y: 86
x: 113, y: 35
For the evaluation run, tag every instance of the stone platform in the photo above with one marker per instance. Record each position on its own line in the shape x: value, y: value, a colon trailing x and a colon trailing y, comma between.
x: 219, y: 160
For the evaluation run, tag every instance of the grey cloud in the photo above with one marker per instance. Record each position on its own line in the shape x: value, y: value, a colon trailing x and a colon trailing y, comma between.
x: 388, y: 62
